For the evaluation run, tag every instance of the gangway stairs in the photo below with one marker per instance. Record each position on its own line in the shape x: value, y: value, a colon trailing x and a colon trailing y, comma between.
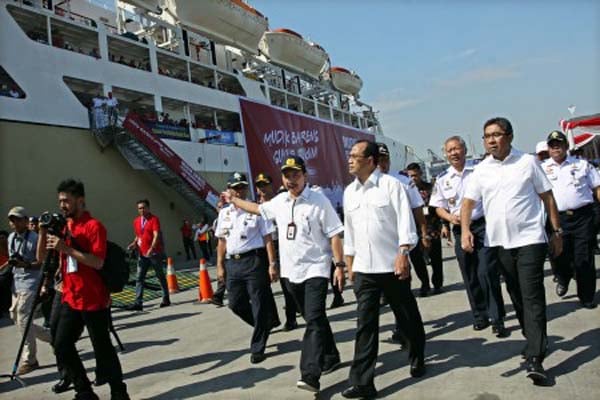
x: 134, y: 140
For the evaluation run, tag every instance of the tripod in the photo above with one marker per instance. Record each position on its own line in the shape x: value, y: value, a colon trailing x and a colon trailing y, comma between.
x: 48, y: 267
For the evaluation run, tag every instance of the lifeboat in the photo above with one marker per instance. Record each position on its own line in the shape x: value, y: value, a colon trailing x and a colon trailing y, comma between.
x: 345, y: 81
x: 229, y: 22
x: 290, y: 50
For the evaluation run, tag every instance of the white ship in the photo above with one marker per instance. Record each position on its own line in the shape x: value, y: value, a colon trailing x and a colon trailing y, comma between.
x: 181, y: 72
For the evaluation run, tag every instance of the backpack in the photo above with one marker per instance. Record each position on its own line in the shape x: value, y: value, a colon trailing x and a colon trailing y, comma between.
x: 115, y: 271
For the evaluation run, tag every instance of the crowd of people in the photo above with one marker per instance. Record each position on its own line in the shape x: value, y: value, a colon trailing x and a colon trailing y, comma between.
x: 505, y: 214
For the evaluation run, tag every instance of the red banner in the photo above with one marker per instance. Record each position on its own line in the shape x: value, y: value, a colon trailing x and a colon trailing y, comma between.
x: 273, y: 134
x: 163, y: 152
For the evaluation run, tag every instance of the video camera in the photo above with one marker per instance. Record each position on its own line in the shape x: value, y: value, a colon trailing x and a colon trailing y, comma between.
x: 54, y: 222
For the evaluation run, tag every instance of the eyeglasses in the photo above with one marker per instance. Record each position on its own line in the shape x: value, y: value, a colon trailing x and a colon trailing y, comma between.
x: 495, y: 135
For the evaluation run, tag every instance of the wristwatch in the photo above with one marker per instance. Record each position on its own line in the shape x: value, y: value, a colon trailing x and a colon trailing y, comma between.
x: 340, y: 264
x: 404, y: 252
x: 558, y: 231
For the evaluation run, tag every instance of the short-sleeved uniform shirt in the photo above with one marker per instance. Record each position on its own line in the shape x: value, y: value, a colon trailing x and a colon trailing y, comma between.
x: 509, y: 190
x: 144, y: 228
x: 308, y: 254
x: 241, y: 230
x: 573, y: 182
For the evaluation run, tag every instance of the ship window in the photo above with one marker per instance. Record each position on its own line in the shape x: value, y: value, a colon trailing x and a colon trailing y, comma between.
x: 84, y: 90
x: 172, y: 67
x: 32, y: 24
x: 229, y: 83
x: 128, y: 53
x: 8, y: 86
x: 72, y: 37
x: 202, y: 75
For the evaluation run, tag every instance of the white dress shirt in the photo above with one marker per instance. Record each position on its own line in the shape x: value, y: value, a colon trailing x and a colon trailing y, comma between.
x: 377, y: 220
x: 509, y: 191
x: 309, y: 254
x: 414, y: 197
x: 449, y: 190
x: 241, y: 230
x: 573, y: 182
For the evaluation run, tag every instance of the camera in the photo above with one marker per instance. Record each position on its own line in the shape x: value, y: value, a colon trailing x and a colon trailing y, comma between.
x: 54, y: 222
x: 14, y: 259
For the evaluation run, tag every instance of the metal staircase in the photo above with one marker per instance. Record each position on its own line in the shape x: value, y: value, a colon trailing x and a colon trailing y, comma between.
x: 192, y: 188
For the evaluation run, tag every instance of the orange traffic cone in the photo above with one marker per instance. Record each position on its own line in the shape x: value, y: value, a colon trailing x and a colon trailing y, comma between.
x: 205, y: 290
x: 171, y: 277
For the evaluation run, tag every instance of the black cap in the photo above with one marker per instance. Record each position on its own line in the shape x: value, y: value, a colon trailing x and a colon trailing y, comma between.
x: 236, y: 179
x: 263, y: 178
x: 33, y: 220
x: 556, y: 136
x: 383, y: 149
x: 293, y: 162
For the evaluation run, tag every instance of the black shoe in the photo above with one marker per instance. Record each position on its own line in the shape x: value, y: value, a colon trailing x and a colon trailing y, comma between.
x: 398, y: 338
x: 257, y: 358
x: 481, y: 325
x: 135, y: 307
x: 331, y: 366
x: 535, y: 371
x: 86, y: 396
x: 337, y: 302
x: 424, y: 291
x: 62, y: 386
x: 290, y: 326
x: 165, y: 303
x: 360, y: 392
x: 417, y: 367
x: 589, y: 305
x: 217, y: 302
x: 275, y: 323
x: 499, y: 330
x: 308, y: 385
x: 561, y: 289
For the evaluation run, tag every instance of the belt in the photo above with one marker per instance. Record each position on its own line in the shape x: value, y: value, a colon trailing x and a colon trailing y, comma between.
x: 253, y: 252
x: 586, y: 208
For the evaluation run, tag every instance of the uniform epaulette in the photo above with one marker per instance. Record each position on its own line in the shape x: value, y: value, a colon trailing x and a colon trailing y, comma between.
x: 403, y: 173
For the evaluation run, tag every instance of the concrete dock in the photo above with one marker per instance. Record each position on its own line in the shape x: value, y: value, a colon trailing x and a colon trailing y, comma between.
x: 193, y: 351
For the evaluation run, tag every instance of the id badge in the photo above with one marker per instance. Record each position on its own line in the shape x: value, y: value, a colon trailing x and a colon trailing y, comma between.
x: 71, y: 265
x: 291, y: 231
x: 425, y: 211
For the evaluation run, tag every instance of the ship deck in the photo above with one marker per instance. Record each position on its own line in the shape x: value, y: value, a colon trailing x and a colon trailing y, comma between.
x: 192, y: 351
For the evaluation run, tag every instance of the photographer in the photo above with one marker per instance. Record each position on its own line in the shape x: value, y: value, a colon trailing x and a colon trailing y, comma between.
x: 85, y: 297
x: 23, y: 259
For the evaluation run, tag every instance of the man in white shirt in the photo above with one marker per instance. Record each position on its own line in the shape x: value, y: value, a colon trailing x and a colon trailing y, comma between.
x: 482, y: 280
x: 309, y: 230
x: 575, y: 185
x: 379, y: 233
x: 244, y: 250
x: 510, y: 183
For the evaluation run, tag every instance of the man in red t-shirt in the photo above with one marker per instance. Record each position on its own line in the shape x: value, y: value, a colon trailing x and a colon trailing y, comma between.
x: 85, y: 297
x: 187, y: 235
x: 148, y: 242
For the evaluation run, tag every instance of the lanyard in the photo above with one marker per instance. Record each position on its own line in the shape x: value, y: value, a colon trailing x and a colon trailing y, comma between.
x: 22, y: 241
x: 293, y: 205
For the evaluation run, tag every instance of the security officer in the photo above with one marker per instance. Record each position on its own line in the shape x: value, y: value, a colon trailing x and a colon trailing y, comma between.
x: 433, y: 233
x: 264, y: 190
x: 482, y: 280
x: 575, y: 183
x: 309, y: 234
x: 242, y: 257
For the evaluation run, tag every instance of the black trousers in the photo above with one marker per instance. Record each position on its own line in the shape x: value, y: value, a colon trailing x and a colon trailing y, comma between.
x: 54, y: 318
x: 204, y: 252
x: 290, y: 304
x: 5, y: 292
x: 481, y: 278
x: 188, y: 245
x: 318, y: 344
x: 523, y: 269
x: 368, y: 289
x: 248, y: 289
x: 67, y: 331
x: 577, y: 258
x: 418, y: 261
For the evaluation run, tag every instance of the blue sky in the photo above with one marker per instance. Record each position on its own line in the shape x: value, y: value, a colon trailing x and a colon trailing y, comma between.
x: 439, y: 68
